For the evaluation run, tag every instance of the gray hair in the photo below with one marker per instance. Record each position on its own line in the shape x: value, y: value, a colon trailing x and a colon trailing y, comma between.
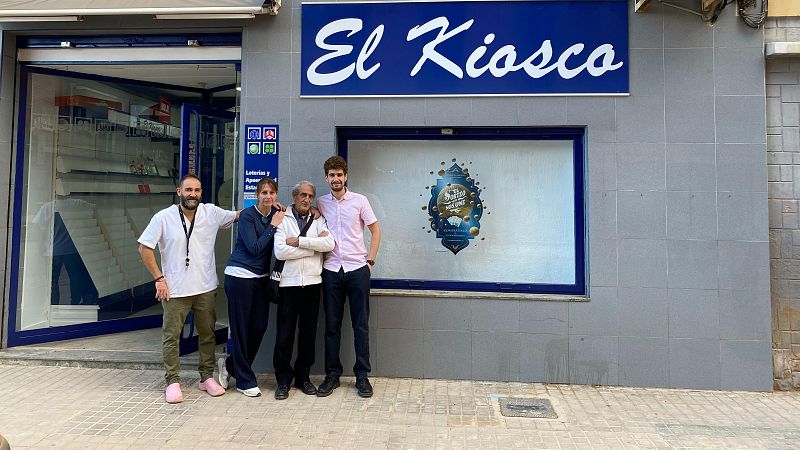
x: 296, y: 188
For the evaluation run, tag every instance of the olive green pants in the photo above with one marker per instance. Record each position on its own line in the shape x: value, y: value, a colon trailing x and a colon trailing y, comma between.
x: 176, y: 309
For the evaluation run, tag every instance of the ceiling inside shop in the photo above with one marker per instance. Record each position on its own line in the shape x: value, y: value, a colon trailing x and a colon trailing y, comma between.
x: 205, y: 76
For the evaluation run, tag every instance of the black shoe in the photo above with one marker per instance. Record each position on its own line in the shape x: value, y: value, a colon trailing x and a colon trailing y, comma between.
x: 327, y: 386
x: 282, y: 392
x: 364, y: 388
x: 306, y: 387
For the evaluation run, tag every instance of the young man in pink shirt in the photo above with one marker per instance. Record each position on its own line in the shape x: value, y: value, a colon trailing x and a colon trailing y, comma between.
x: 346, y: 274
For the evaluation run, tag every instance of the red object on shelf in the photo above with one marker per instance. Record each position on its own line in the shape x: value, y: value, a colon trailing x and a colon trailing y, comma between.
x: 82, y: 100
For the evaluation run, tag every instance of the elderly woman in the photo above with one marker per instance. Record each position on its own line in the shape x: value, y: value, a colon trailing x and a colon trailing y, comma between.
x: 247, y: 285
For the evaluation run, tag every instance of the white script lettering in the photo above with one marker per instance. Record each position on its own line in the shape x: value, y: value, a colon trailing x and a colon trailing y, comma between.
x: 338, y: 26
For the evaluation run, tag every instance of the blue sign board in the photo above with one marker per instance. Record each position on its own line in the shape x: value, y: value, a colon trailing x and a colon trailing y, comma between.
x: 260, y: 158
x: 465, y: 48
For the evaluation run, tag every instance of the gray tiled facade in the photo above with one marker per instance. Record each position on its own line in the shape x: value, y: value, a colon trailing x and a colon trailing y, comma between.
x: 675, y: 193
x: 783, y: 169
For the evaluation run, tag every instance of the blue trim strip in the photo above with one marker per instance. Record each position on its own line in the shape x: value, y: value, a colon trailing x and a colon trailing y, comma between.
x: 138, y: 40
x: 576, y: 135
x: 16, y: 227
x: 83, y: 330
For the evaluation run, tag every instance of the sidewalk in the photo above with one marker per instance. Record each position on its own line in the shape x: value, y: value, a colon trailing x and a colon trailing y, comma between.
x: 68, y: 407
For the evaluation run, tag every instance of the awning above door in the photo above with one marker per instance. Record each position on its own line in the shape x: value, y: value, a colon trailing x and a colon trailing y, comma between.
x: 24, y: 10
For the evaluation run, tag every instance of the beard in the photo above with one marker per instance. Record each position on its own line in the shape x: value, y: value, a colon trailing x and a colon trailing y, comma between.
x: 337, y: 187
x: 189, y: 203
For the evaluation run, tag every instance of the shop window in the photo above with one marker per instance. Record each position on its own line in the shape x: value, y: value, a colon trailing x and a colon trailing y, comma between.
x: 473, y: 209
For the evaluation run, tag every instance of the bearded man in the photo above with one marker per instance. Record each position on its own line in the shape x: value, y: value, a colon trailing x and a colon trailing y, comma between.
x: 185, y: 235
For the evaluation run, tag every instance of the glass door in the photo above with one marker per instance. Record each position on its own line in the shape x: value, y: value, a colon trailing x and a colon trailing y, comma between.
x: 208, y: 141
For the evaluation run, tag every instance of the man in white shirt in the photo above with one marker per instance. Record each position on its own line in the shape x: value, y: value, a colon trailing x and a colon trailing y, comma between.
x: 185, y: 235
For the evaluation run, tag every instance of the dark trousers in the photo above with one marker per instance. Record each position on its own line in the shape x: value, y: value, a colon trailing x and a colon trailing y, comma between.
x: 297, y: 310
x: 354, y: 287
x: 248, y: 314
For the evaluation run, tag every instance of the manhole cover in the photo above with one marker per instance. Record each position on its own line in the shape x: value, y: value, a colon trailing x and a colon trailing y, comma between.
x: 539, y: 408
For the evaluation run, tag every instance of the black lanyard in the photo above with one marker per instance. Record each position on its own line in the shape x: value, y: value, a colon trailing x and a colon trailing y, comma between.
x: 188, y: 233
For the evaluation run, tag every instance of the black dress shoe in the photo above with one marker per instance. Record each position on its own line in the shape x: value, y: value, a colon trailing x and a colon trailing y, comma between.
x: 306, y: 387
x: 327, y: 386
x: 282, y: 392
x: 364, y: 388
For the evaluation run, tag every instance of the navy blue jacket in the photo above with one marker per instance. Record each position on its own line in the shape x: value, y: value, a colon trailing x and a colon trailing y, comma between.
x: 254, y: 242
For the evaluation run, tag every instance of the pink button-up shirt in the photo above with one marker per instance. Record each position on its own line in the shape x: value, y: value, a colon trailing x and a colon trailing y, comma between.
x: 346, y: 220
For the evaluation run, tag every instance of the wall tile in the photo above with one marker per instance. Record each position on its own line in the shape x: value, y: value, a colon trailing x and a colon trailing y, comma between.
x: 690, y: 119
x: 689, y: 72
x: 402, y: 112
x: 399, y: 353
x: 746, y: 365
x: 691, y: 215
x: 542, y: 111
x: 495, y: 356
x: 597, y: 317
x: 597, y: 114
x: 537, y: 317
x: 399, y: 312
x: 603, y: 214
x: 447, y: 314
x: 691, y: 167
x: 448, y: 354
x: 693, y: 313
x: 642, y: 263
x: 643, y: 312
x: 356, y: 112
x: 739, y: 71
x: 745, y: 315
x: 641, y: 214
x: 642, y: 362
x: 742, y: 167
x: 694, y: 363
x: 447, y: 112
x: 641, y: 166
x: 495, y: 315
x: 647, y: 75
x: 640, y: 119
x: 743, y: 265
x: 595, y: 359
x: 601, y: 166
x: 680, y: 31
x: 602, y: 262
x: 544, y: 358
x: 692, y: 264
x: 743, y: 216
x: 502, y: 111
x: 731, y: 129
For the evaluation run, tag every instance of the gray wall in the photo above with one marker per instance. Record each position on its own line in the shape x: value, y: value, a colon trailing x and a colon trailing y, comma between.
x: 677, y: 210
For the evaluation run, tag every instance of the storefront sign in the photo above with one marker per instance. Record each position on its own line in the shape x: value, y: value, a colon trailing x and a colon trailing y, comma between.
x: 465, y: 48
x: 260, y: 158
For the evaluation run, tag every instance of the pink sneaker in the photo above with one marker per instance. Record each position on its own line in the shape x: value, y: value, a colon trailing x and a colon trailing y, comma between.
x: 173, y: 393
x: 212, y: 387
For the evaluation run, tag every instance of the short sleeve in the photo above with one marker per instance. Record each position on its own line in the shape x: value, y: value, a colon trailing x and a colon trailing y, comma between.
x: 152, y: 234
x: 224, y: 217
x: 367, y: 215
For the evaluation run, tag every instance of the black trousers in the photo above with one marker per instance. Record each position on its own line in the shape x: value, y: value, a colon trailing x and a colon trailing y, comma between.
x: 248, y: 315
x: 297, y: 311
x: 354, y: 288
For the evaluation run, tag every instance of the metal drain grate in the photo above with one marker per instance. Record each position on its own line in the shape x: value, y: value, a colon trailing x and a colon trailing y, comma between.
x: 538, y: 408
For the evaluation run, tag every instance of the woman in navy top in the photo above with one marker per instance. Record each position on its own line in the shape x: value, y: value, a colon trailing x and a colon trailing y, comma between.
x: 247, y: 285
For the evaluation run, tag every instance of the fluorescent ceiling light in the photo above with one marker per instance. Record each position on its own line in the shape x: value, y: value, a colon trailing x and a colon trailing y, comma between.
x: 205, y: 16
x: 42, y: 19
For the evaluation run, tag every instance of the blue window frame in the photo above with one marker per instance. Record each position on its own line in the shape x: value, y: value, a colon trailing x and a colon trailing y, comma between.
x: 368, y: 140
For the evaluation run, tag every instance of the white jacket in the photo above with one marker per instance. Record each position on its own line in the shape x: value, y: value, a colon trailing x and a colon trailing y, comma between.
x: 304, y: 263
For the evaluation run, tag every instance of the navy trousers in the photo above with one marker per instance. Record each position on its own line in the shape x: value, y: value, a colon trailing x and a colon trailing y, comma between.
x: 297, y: 311
x: 248, y: 315
x: 353, y: 287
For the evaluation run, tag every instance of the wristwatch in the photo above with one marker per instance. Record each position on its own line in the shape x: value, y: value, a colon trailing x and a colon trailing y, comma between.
x: 371, y: 262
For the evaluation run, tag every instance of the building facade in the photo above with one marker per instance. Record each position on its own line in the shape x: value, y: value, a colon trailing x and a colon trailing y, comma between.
x: 653, y: 268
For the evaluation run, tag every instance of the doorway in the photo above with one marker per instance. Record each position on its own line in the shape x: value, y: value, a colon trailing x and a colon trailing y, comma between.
x: 100, y: 149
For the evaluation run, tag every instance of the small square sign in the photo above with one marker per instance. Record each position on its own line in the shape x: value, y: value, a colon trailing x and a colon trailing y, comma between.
x: 253, y: 133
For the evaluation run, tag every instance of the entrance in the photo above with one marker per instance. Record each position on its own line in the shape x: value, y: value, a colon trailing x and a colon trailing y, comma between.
x: 98, y: 154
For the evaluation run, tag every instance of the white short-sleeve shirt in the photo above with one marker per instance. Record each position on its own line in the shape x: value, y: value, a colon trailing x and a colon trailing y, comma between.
x: 166, y: 231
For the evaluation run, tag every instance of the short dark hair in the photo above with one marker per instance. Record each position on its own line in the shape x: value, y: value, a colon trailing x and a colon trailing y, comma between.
x: 188, y: 176
x: 335, y: 163
x: 266, y: 180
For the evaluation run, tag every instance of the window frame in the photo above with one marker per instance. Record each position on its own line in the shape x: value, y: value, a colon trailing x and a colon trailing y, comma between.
x: 575, y: 134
